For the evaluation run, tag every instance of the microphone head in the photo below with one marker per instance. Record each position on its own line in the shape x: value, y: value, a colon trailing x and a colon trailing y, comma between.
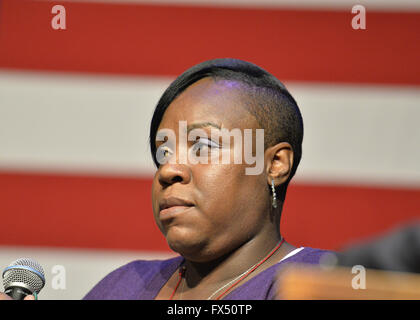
x: 26, y: 273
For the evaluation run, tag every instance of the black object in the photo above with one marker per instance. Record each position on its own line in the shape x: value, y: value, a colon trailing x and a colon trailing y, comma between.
x: 398, y: 250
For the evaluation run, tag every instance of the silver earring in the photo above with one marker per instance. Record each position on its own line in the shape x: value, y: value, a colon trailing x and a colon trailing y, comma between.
x: 273, y: 190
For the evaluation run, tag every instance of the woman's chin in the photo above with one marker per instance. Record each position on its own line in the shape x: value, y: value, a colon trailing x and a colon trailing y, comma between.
x: 185, y: 245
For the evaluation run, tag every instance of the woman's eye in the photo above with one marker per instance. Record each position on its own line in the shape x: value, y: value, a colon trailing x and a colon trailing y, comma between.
x: 203, y: 143
x: 162, y: 154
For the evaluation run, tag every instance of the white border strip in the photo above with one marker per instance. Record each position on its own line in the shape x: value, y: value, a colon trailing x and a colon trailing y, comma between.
x: 377, y: 5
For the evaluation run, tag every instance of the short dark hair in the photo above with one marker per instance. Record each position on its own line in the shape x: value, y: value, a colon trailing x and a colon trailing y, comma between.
x: 270, y: 102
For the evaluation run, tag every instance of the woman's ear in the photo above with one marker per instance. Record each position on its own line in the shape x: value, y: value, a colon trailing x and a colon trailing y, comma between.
x: 279, y: 163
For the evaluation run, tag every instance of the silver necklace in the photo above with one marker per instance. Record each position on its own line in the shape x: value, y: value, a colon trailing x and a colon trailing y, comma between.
x: 238, y: 277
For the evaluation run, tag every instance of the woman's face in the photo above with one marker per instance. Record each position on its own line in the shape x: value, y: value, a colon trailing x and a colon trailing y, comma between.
x: 207, y: 210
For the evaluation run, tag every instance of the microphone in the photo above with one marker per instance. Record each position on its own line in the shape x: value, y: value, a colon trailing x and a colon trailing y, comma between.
x: 23, y: 277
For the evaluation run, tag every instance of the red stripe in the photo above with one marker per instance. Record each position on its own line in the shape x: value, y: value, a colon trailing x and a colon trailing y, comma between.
x: 335, y: 216
x: 309, y: 45
x: 77, y: 211
x: 115, y: 213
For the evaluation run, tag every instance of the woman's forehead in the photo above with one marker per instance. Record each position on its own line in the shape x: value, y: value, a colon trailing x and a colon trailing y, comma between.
x: 222, y: 102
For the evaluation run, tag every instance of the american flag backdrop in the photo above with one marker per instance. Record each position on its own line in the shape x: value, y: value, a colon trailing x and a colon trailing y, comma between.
x: 75, y: 107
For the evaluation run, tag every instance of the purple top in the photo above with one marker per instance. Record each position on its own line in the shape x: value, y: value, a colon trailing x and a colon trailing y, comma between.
x: 142, y: 279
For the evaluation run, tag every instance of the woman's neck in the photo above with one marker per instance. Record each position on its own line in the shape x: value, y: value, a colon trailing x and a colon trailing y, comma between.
x: 218, y: 272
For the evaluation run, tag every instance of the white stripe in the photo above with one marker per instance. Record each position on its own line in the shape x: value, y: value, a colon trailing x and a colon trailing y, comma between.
x: 359, y: 134
x: 83, y: 268
x: 68, y: 123
x: 100, y: 125
x: 377, y: 5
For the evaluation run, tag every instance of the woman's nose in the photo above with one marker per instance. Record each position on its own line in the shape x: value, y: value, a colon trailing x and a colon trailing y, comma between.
x: 172, y: 173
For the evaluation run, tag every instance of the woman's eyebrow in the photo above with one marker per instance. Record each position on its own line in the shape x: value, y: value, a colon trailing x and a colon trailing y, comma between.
x: 203, y: 125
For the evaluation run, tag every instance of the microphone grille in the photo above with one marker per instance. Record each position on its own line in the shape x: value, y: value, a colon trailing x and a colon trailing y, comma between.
x: 24, y: 272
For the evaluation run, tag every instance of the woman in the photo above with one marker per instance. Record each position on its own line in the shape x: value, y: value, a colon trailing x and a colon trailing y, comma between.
x: 223, y: 222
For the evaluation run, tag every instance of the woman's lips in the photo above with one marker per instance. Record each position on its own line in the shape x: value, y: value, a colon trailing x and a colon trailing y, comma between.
x: 173, y: 211
x: 172, y: 206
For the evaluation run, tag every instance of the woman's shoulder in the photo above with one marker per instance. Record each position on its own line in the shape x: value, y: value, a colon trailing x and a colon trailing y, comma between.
x: 262, y: 286
x: 145, y: 268
x: 132, y: 279
x: 306, y: 255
